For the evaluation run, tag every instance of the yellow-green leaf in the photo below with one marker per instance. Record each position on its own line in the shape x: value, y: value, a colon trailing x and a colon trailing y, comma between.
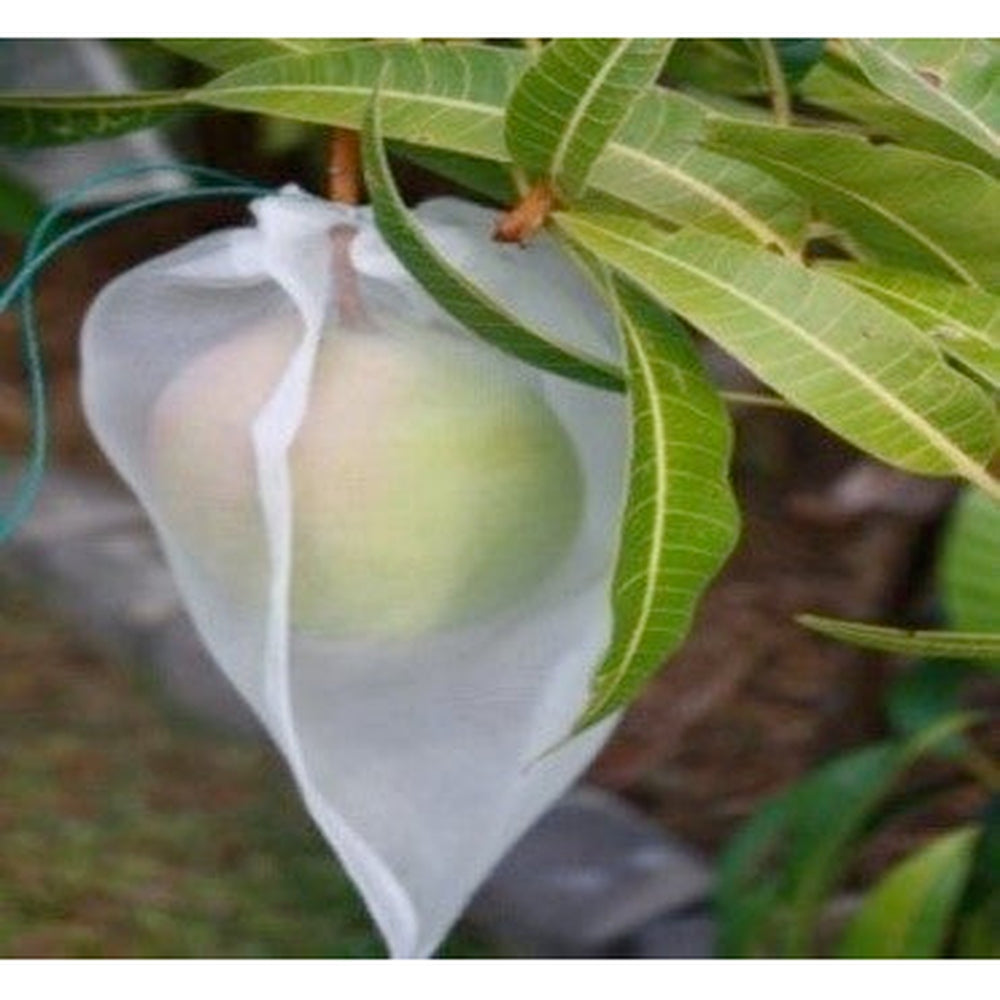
x: 955, y: 81
x: 963, y: 321
x: 908, y: 642
x: 680, y: 520
x: 569, y: 103
x: 969, y: 567
x: 903, y: 207
x: 856, y: 366
x: 909, y: 912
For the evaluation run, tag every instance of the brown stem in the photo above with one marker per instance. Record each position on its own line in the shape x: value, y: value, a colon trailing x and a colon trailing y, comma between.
x: 345, y: 167
x: 528, y: 216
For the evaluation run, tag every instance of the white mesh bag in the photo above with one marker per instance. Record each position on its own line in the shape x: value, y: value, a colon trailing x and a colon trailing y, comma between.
x: 395, y: 540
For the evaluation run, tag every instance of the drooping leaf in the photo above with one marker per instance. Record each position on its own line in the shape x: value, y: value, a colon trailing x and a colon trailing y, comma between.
x: 570, y: 102
x: 910, y: 911
x: 901, y: 206
x: 450, y: 288
x: 909, y: 642
x: 452, y: 97
x: 795, y: 848
x: 853, y: 364
x: 227, y: 53
x: 57, y: 119
x: 964, y: 322
x: 955, y: 81
x: 836, y: 84
x: 680, y: 520
x: 969, y: 565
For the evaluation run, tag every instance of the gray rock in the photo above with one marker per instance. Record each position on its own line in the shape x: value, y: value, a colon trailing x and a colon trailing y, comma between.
x: 588, y: 877
x: 89, y: 554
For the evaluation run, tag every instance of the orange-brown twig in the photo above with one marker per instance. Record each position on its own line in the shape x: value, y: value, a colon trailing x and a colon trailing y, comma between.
x: 528, y: 216
x: 345, y: 167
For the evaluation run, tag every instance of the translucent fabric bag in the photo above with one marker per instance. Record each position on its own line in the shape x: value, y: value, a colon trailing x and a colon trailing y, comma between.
x: 395, y: 540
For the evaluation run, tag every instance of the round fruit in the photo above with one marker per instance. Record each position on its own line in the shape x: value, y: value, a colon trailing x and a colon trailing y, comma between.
x: 431, y: 483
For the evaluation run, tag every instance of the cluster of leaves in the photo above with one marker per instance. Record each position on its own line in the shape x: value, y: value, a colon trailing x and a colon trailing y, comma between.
x: 781, y: 870
x: 825, y: 213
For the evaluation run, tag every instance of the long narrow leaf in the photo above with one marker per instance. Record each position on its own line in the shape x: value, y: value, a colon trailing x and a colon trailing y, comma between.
x: 794, y: 849
x: 853, y: 364
x: 910, y: 642
x: 227, y: 53
x: 680, y: 521
x: 838, y: 85
x: 56, y: 119
x: 570, y: 102
x: 453, y: 290
x: 909, y: 913
x: 655, y: 166
x: 955, y: 81
x: 904, y: 207
x: 445, y: 96
x: 452, y: 97
x: 964, y: 322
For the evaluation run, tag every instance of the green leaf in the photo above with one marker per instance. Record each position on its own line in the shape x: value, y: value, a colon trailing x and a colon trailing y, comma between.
x: 655, y: 168
x: 748, y: 889
x: 796, y: 847
x: 968, y: 571
x: 444, y: 96
x: 680, y: 521
x: 453, y: 290
x: 965, y: 322
x: 570, y: 102
x: 452, y: 97
x: 56, y: 119
x: 720, y: 65
x: 979, y: 928
x: 836, y: 84
x: 910, y: 912
x: 955, y: 81
x: 901, y: 206
x: 227, y: 53
x: 909, y: 642
x: 20, y: 207
x: 832, y: 351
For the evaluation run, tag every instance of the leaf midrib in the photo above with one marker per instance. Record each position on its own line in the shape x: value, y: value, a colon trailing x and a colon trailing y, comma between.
x: 586, y: 100
x: 934, y: 311
x: 758, y: 227
x: 960, y: 460
x: 661, y: 496
x: 877, y: 209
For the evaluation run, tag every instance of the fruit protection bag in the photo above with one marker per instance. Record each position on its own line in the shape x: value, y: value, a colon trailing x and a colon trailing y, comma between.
x: 396, y: 540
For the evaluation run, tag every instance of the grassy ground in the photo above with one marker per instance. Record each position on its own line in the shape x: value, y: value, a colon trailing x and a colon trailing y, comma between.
x: 126, y: 832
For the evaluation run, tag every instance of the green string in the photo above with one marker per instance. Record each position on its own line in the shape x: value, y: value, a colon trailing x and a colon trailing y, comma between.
x: 44, y: 243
